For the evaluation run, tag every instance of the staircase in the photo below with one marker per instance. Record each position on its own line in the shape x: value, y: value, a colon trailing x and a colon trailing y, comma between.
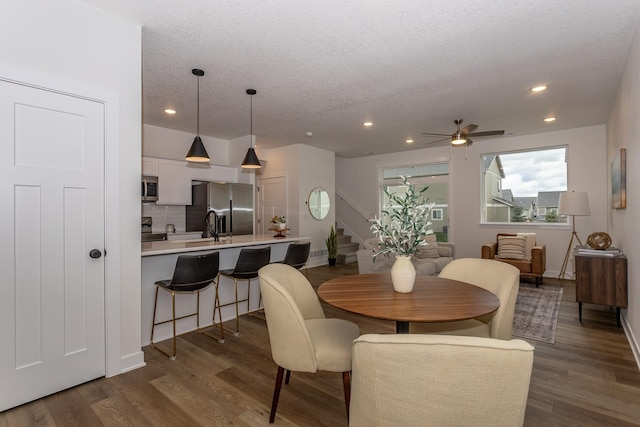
x: 346, y: 249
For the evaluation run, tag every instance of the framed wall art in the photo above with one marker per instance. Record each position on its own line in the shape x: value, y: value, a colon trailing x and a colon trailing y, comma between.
x: 619, y: 180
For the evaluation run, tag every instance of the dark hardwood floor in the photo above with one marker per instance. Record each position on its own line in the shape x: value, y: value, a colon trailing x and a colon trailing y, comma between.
x: 587, y: 378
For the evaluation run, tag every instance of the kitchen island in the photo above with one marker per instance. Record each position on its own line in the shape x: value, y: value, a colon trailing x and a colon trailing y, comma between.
x: 159, y: 259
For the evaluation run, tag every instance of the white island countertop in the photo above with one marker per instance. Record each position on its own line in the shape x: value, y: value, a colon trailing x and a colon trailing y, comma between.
x: 165, y: 247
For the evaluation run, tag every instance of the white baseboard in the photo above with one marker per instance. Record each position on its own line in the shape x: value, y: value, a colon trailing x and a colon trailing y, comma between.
x: 635, y: 348
x: 132, y: 361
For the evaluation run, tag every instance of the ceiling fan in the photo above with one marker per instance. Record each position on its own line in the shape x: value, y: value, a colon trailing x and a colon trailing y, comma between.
x: 460, y: 136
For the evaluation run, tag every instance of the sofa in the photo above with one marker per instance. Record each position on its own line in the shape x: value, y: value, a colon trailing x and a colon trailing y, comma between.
x: 429, y: 261
x: 520, y: 250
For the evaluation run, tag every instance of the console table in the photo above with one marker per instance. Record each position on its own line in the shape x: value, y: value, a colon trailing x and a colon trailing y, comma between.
x: 601, y: 280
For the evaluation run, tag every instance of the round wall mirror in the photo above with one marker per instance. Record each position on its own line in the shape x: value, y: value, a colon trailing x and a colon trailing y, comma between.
x: 319, y: 203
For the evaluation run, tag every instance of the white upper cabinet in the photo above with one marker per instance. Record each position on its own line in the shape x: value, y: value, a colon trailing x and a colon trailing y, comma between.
x: 149, y: 166
x: 174, y: 183
x: 217, y: 173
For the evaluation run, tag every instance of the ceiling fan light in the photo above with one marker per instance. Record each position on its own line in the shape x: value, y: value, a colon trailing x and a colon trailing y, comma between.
x: 197, y: 152
x: 458, y: 139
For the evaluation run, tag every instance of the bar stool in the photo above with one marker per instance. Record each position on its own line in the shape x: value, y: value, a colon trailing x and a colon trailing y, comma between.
x: 297, y: 255
x: 192, y: 273
x: 247, y: 266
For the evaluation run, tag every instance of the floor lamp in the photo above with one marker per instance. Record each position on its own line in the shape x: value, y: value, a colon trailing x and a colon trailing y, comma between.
x: 574, y: 204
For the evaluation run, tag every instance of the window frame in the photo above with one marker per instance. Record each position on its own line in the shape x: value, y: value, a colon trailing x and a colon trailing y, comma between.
x: 499, y: 185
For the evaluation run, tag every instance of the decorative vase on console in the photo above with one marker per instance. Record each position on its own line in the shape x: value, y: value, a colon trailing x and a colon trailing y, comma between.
x: 401, y: 230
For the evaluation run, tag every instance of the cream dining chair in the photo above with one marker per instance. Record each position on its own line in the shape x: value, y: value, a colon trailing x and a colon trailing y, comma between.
x: 439, y: 380
x: 301, y: 338
x: 498, y: 277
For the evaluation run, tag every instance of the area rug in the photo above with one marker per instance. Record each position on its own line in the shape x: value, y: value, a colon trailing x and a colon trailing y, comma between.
x: 536, y: 314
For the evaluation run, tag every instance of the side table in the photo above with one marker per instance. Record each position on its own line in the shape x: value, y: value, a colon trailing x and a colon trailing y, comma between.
x: 601, y: 280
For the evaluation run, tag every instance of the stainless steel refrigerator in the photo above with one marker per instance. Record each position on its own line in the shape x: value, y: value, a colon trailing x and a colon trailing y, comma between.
x: 232, y: 202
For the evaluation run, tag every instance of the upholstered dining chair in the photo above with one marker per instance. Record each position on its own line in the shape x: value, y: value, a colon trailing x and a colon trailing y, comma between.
x: 500, y: 278
x: 192, y: 273
x: 301, y: 338
x: 440, y: 380
x: 247, y: 265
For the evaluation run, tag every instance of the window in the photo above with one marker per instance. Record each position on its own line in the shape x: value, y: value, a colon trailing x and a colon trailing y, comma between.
x: 436, y: 177
x: 524, y: 186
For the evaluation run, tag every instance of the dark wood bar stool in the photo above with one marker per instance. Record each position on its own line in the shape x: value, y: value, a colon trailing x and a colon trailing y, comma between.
x: 192, y: 273
x: 247, y: 266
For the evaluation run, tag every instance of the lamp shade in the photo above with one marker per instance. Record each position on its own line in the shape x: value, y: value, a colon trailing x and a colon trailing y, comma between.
x: 197, y: 152
x: 251, y: 160
x: 574, y: 203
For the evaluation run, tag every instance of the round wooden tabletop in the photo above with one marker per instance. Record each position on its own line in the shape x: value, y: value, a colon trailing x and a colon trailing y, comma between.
x: 433, y: 299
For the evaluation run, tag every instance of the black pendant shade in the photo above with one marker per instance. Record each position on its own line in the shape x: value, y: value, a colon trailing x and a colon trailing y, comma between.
x: 251, y: 159
x: 197, y: 152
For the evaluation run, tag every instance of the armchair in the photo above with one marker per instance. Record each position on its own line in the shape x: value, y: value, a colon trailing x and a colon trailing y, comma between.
x: 520, y: 250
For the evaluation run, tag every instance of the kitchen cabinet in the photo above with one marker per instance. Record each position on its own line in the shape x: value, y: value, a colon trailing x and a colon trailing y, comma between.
x: 149, y: 166
x: 174, y: 183
x: 601, y: 280
x: 215, y: 173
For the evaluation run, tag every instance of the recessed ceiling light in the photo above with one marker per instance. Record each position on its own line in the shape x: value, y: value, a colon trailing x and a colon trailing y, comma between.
x: 170, y: 111
x: 367, y: 124
x: 409, y: 141
x: 538, y: 88
x: 550, y: 119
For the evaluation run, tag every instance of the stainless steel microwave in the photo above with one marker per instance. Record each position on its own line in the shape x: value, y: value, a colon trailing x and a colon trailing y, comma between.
x: 149, y: 188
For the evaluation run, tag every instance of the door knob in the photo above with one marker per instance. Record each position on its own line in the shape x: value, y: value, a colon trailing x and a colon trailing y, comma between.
x: 95, y: 253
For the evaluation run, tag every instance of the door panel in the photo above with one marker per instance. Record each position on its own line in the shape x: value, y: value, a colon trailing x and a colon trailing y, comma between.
x: 52, y: 292
x: 273, y: 201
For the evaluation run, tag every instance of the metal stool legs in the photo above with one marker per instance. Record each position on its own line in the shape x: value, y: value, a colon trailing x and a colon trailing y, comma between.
x: 236, y: 303
x: 173, y: 319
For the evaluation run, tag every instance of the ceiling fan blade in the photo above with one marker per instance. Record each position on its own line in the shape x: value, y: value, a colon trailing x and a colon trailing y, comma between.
x: 437, y: 142
x: 434, y: 134
x: 469, y: 141
x: 487, y: 133
x: 468, y: 129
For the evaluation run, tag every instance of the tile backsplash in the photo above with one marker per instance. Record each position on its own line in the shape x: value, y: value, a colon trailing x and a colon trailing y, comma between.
x: 162, y: 215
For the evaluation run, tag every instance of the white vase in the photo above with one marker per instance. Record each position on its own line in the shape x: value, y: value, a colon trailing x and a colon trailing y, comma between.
x: 282, y: 225
x: 403, y: 274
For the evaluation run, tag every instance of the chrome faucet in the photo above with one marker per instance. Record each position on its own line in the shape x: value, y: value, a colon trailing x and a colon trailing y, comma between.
x: 207, y: 226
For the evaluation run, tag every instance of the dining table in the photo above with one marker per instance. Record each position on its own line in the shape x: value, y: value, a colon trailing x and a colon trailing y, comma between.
x: 433, y: 299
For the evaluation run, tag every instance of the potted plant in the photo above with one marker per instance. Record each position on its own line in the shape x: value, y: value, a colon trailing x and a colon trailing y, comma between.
x: 279, y: 222
x: 401, y: 230
x: 332, y: 246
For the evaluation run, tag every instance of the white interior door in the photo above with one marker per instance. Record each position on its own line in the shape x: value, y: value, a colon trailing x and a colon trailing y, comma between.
x: 272, y: 201
x: 52, y: 322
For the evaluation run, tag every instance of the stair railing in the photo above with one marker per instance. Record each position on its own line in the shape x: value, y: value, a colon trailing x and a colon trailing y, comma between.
x: 355, y: 221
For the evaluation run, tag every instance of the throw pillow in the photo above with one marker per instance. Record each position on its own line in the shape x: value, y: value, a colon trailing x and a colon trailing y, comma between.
x: 531, y: 242
x: 431, y: 250
x: 512, y: 247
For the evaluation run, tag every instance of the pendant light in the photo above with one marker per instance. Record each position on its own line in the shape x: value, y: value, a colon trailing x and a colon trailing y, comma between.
x: 197, y: 152
x: 251, y: 159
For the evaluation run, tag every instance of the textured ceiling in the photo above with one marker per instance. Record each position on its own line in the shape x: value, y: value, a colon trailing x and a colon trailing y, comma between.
x: 408, y: 66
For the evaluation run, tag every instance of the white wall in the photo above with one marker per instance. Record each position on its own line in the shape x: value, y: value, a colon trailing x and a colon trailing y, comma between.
x: 623, y: 131
x: 357, y: 179
x: 305, y: 168
x: 174, y: 144
x: 70, y: 41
